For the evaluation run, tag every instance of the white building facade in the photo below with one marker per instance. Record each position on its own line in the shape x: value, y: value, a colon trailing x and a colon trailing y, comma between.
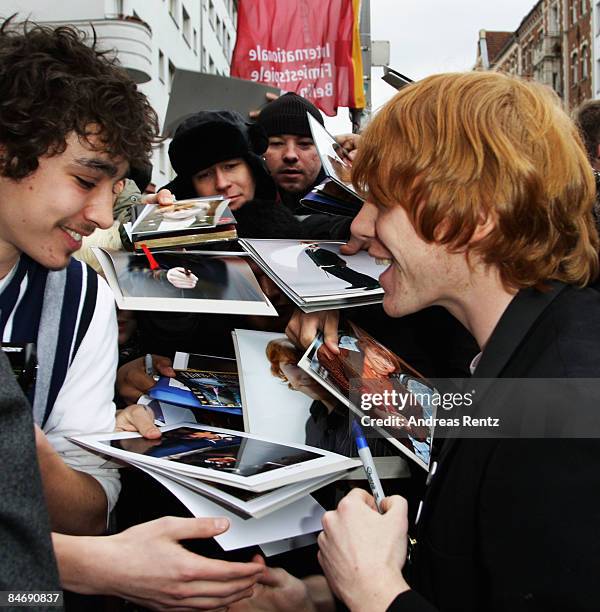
x: 151, y: 38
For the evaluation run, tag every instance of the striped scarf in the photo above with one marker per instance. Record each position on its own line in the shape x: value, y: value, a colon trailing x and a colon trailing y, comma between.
x: 52, y: 309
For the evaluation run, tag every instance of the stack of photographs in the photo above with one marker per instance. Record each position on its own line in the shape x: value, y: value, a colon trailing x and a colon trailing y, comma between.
x: 245, y: 473
x: 387, y: 394
x: 335, y: 195
x: 184, y: 281
x: 184, y: 223
x: 316, y: 275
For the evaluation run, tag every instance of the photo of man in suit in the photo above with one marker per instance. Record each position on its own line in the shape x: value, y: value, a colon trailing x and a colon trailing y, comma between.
x: 337, y: 266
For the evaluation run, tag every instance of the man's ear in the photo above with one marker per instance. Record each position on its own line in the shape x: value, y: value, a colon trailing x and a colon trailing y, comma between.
x: 485, y: 225
x: 487, y: 222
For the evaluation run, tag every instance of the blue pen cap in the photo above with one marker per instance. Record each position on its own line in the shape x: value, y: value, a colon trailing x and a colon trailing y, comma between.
x: 358, y: 435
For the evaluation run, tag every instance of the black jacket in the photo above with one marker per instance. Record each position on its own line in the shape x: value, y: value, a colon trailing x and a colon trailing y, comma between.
x: 267, y: 219
x: 513, y: 524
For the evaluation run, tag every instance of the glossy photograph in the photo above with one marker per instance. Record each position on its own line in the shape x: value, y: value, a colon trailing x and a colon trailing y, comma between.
x: 363, y: 368
x: 181, y: 215
x: 223, y: 452
x: 186, y: 275
x: 318, y: 268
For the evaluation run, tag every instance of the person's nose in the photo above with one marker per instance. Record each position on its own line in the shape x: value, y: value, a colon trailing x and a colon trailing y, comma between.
x: 222, y: 181
x: 290, y: 155
x: 99, y: 207
x: 363, y: 225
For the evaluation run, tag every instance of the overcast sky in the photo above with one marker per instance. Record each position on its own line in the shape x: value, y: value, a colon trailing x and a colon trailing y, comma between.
x: 430, y: 36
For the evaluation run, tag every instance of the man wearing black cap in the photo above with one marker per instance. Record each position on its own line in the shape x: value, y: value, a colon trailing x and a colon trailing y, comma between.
x: 294, y: 163
x: 291, y: 155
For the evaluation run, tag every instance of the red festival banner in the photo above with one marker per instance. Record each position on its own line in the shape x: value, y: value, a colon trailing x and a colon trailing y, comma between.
x: 310, y: 47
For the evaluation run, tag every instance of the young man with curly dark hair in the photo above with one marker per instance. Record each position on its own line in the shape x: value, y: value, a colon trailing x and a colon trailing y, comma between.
x: 71, y: 124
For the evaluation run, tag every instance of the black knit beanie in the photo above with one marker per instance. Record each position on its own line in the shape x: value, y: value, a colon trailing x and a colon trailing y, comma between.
x: 210, y: 137
x: 287, y: 115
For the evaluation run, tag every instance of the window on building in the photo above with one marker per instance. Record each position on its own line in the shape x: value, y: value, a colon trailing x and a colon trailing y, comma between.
x: 195, y: 40
x: 556, y: 82
x: 186, y: 28
x: 204, y: 59
x: 553, y: 20
x: 228, y: 46
x: 584, y: 62
x: 174, y: 11
x: 582, y: 7
x: 161, y: 66
x: 573, y: 11
x: 211, y: 65
x: 211, y: 13
x: 218, y: 30
x: 574, y: 68
x: 171, y: 74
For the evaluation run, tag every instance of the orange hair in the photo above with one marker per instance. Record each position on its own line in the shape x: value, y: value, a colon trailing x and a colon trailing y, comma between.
x: 281, y: 351
x: 457, y: 149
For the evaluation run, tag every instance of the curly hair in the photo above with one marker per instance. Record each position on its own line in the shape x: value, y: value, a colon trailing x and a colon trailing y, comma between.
x: 454, y: 149
x: 52, y: 84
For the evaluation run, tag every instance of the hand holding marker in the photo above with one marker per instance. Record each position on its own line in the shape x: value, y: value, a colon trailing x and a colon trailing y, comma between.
x: 364, y: 452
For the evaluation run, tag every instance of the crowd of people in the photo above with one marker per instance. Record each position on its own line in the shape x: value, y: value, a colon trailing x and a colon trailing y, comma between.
x: 479, y: 206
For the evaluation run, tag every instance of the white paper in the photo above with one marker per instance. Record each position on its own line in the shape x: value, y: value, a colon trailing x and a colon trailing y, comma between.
x: 143, y: 214
x: 258, y: 507
x: 271, y: 408
x: 301, y: 517
x: 181, y: 360
x: 276, y: 548
x: 173, y: 382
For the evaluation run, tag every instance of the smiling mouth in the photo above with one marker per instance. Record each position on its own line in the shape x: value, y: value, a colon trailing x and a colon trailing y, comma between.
x: 75, y: 235
x: 290, y: 172
x: 383, y: 261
